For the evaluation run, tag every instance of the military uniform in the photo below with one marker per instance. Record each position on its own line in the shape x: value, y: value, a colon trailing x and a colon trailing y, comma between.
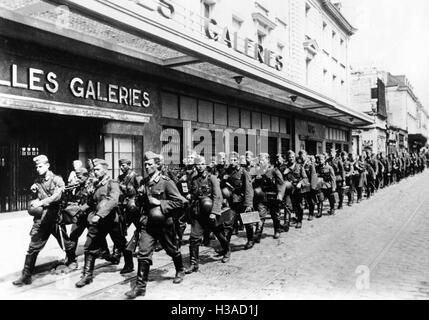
x: 48, y: 189
x: 129, y: 183
x: 205, y: 186
x: 327, y: 187
x: 309, y: 190
x: 348, y: 181
x: 295, y: 174
x: 340, y: 178
x: 360, y: 177
x: 242, y: 196
x: 160, y: 200
x: 103, y: 201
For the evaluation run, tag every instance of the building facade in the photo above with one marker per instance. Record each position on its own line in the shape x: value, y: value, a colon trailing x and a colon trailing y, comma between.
x: 112, y: 79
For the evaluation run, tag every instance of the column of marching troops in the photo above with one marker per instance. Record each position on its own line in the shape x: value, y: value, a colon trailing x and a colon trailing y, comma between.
x: 208, y: 196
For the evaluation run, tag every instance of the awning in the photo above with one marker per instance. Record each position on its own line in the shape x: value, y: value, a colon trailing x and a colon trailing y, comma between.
x: 132, y: 30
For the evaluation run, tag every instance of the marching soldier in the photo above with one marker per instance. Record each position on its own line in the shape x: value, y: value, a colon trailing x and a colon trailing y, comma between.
x: 269, y: 190
x: 327, y: 185
x: 360, y: 176
x: 241, y: 200
x: 129, y: 182
x: 372, y: 171
x: 340, y: 177
x: 160, y: 199
x: 206, y: 204
x: 348, y: 163
x: 296, y: 176
x: 103, y: 200
x: 47, y: 191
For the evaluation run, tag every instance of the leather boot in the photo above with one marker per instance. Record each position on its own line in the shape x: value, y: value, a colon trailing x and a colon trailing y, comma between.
x: 227, y: 255
x: 129, y: 264
x: 71, y: 261
x: 194, y: 251
x: 25, y: 279
x: 319, y: 210
x: 258, y: 233
x: 180, y: 271
x: 88, y: 270
x: 250, y: 241
x: 276, y: 229
x: 116, y: 256
x: 139, y: 288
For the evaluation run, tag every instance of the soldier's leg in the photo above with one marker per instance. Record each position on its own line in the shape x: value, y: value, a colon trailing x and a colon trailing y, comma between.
x: 144, y: 256
x: 331, y: 198
x: 297, y: 207
x: 39, y: 237
x: 274, y: 210
x: 168, y: 241
x: 340, y: 195
x: 117, y: 235
x: 310, y: 201
x: 229, y: 224
x: 195, y: 241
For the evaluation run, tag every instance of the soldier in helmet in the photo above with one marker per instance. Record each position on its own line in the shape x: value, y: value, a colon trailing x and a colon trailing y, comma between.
x: 47, y: 191
x: 327, y: 184
x: 348, y: 174
x: 160, y: 199
x: 309, y: 189
x: 103, y: 200
x: 296, y: 176
x: 239, y: 181
x: 340, y: 178
x: 206, y: 204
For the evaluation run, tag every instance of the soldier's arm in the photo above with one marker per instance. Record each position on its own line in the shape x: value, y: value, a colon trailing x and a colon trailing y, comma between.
x: 313, y: 177
x: 111, y: 200
x: 248, y: 190
x: 217, y: 195
x: 174, y: 198
x: 58, y: 192
x: 333, y: 179
x: 280, y: 183
x: 342, y: 171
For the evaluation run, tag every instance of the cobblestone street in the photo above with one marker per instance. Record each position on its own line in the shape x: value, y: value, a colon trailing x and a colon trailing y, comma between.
x: 377, y: 249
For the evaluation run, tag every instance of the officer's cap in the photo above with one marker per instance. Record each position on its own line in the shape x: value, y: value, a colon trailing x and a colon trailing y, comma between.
x: 100, y: 162
x: 41, y: 159
x: 126, y: 161
x: 234, y: 155
x: 149, y: 155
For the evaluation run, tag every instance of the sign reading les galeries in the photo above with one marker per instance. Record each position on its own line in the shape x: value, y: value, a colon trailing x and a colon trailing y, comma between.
x: 102, y: 86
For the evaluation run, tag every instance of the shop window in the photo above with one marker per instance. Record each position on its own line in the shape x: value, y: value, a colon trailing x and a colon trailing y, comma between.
x: 272, y: 147
x: 346, y: 148
x: 288, y: 126
x: 118, y: 147
x: 220, y: 114
x: 170, y: 105
x: 188, y: 108
x: 205, y: 111
x: 329, y: 146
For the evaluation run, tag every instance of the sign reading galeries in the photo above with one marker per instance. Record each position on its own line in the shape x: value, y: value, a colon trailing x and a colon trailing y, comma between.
x: 172, y: 14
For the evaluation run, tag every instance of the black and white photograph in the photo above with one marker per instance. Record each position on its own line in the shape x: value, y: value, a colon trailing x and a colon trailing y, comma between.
x: 214, y: 150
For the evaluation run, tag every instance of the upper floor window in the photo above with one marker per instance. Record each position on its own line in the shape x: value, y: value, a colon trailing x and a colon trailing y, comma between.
x: 307, y: 9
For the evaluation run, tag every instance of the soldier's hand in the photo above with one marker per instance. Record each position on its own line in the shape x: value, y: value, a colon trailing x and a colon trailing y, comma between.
x: 299, y: 185
x: 248, y: 209
x: 34, y: 188
x: 153, y: 201
x: 188, y: 197
x: 95, y: 219
x: 212, y: 216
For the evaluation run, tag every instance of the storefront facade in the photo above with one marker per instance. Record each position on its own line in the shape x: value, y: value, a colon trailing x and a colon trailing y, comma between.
x: 102, y: 89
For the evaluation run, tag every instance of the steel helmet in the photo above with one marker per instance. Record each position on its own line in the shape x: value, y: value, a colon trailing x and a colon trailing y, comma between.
x: 34, y: 211
x: 258, y: 194
x: 156, y: 216
x: 206, y: 205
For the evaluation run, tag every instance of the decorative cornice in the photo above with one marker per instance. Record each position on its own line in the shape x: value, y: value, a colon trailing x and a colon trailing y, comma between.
x: 263, y: 20
x: 333, y: 11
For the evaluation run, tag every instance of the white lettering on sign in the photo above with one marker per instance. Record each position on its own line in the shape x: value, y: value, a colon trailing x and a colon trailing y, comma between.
x: 39, y: 80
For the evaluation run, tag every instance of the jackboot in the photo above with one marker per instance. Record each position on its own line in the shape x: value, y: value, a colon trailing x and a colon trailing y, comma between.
x: 88, y: 270
x: 276, y: 229
x: 139, y: 288
x: 25, y: 279
x: 116, y: 256
x: 129, y: 264
x: 250, y: 241
x: 227, y: 255
x: 180, y: 270
x: 319, y: 210
x: 194, y: 251
x: 258, y: 233
x: 71, y: 261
